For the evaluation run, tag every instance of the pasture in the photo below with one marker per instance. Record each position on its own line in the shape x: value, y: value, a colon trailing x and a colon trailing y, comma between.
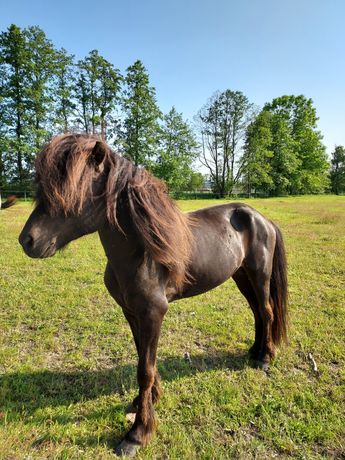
x: 67, y: 358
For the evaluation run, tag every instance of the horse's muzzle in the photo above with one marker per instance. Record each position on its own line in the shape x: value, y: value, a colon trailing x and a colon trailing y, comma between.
x: 37, y: 249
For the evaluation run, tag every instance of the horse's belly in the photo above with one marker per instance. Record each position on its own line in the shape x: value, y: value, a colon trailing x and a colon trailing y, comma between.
x: 217, y: 254
x: 216, y: 264
x: 203, y: 286
x: 213, y: 276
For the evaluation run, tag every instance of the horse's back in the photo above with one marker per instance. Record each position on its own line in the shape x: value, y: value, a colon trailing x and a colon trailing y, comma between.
x: 242, y: 219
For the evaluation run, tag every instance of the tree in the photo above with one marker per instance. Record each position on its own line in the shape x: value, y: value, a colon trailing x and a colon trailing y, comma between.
x: 256, y: 161
x: 83, y: 102
x: 63, y: 86
x: 15, y: 117
x: 3, y: 150
x: 196, y: 181
x: 284, y: 163
x: 299, y: 162
x: 177, y: 151
x: 41, y: 62
x: 338, y: 170
x: 97, y: 88
x: 3, y: 130
x: 27, y: 67
x: 140, y: 136
x: 222, y: 123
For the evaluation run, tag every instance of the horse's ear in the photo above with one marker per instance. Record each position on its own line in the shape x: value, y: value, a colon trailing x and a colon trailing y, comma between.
x: 98, y: 154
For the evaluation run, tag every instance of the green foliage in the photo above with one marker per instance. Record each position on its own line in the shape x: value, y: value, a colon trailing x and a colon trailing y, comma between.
x: 338, y: 170
x: 15, y: 102
x: 176, y: 152
x: 97, y: 88
x: 256, y: 161
x: 43, y: 92
x: 299, y: 162
x: 41, y: 66
x: 63, y: 86
x: 140, y: 137
x: 222, y: 123
x: 285, y: 163
x: 196, y: 181
x: 27, y: 67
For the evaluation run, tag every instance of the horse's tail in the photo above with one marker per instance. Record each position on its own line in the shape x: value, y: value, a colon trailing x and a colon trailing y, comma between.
x: 279, y: 290
x: 9, y: 202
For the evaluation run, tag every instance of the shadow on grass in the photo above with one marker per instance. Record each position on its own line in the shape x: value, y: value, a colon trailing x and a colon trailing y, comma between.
x: 28, y: 391
x: 23, y: 393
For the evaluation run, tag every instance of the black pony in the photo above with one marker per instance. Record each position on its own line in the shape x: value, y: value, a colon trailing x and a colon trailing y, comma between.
x: 11, y: 200
x: 156, y: 254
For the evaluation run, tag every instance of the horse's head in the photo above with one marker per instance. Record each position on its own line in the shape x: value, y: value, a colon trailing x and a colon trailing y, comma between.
x: 70, y: 201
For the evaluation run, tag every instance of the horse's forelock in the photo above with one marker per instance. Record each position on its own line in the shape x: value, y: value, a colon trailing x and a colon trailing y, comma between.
x: 64, y: 173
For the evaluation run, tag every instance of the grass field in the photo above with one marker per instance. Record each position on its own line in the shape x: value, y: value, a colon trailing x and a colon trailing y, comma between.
x: 67, y: 359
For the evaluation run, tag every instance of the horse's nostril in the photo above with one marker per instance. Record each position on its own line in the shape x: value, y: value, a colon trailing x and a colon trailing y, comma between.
x: 27, y: 241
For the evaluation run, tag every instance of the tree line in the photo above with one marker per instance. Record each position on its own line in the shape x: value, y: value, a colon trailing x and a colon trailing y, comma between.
x: 45, y: 91
x: 274, y: 151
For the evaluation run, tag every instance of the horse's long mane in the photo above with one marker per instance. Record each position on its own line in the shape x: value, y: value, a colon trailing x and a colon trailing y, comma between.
x: 65, y: 172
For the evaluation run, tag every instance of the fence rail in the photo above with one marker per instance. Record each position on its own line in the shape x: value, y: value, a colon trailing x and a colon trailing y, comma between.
x: 29, y: 194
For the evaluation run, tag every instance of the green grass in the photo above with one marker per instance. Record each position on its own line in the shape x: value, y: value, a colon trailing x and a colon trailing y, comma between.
x: 67, y: 359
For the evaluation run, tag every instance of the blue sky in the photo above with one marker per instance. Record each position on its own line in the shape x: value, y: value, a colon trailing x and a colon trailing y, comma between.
x: 191, y: 48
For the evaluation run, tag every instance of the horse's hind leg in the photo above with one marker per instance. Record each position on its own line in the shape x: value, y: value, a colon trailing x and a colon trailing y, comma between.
x: 246, y: 288
x: 260, y: 280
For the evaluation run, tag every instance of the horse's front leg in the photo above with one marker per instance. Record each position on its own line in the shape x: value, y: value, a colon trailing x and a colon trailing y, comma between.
x: 148, y: 325
x: 156, y: 388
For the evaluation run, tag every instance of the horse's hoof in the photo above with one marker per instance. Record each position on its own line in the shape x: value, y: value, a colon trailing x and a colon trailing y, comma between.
x: 262, y: 365
x: 132, y: 408
x: 253, y: 353
x: 127, y: 449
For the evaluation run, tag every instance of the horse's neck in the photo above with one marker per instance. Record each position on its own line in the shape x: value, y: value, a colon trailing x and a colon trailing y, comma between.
x: 118, y: 243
